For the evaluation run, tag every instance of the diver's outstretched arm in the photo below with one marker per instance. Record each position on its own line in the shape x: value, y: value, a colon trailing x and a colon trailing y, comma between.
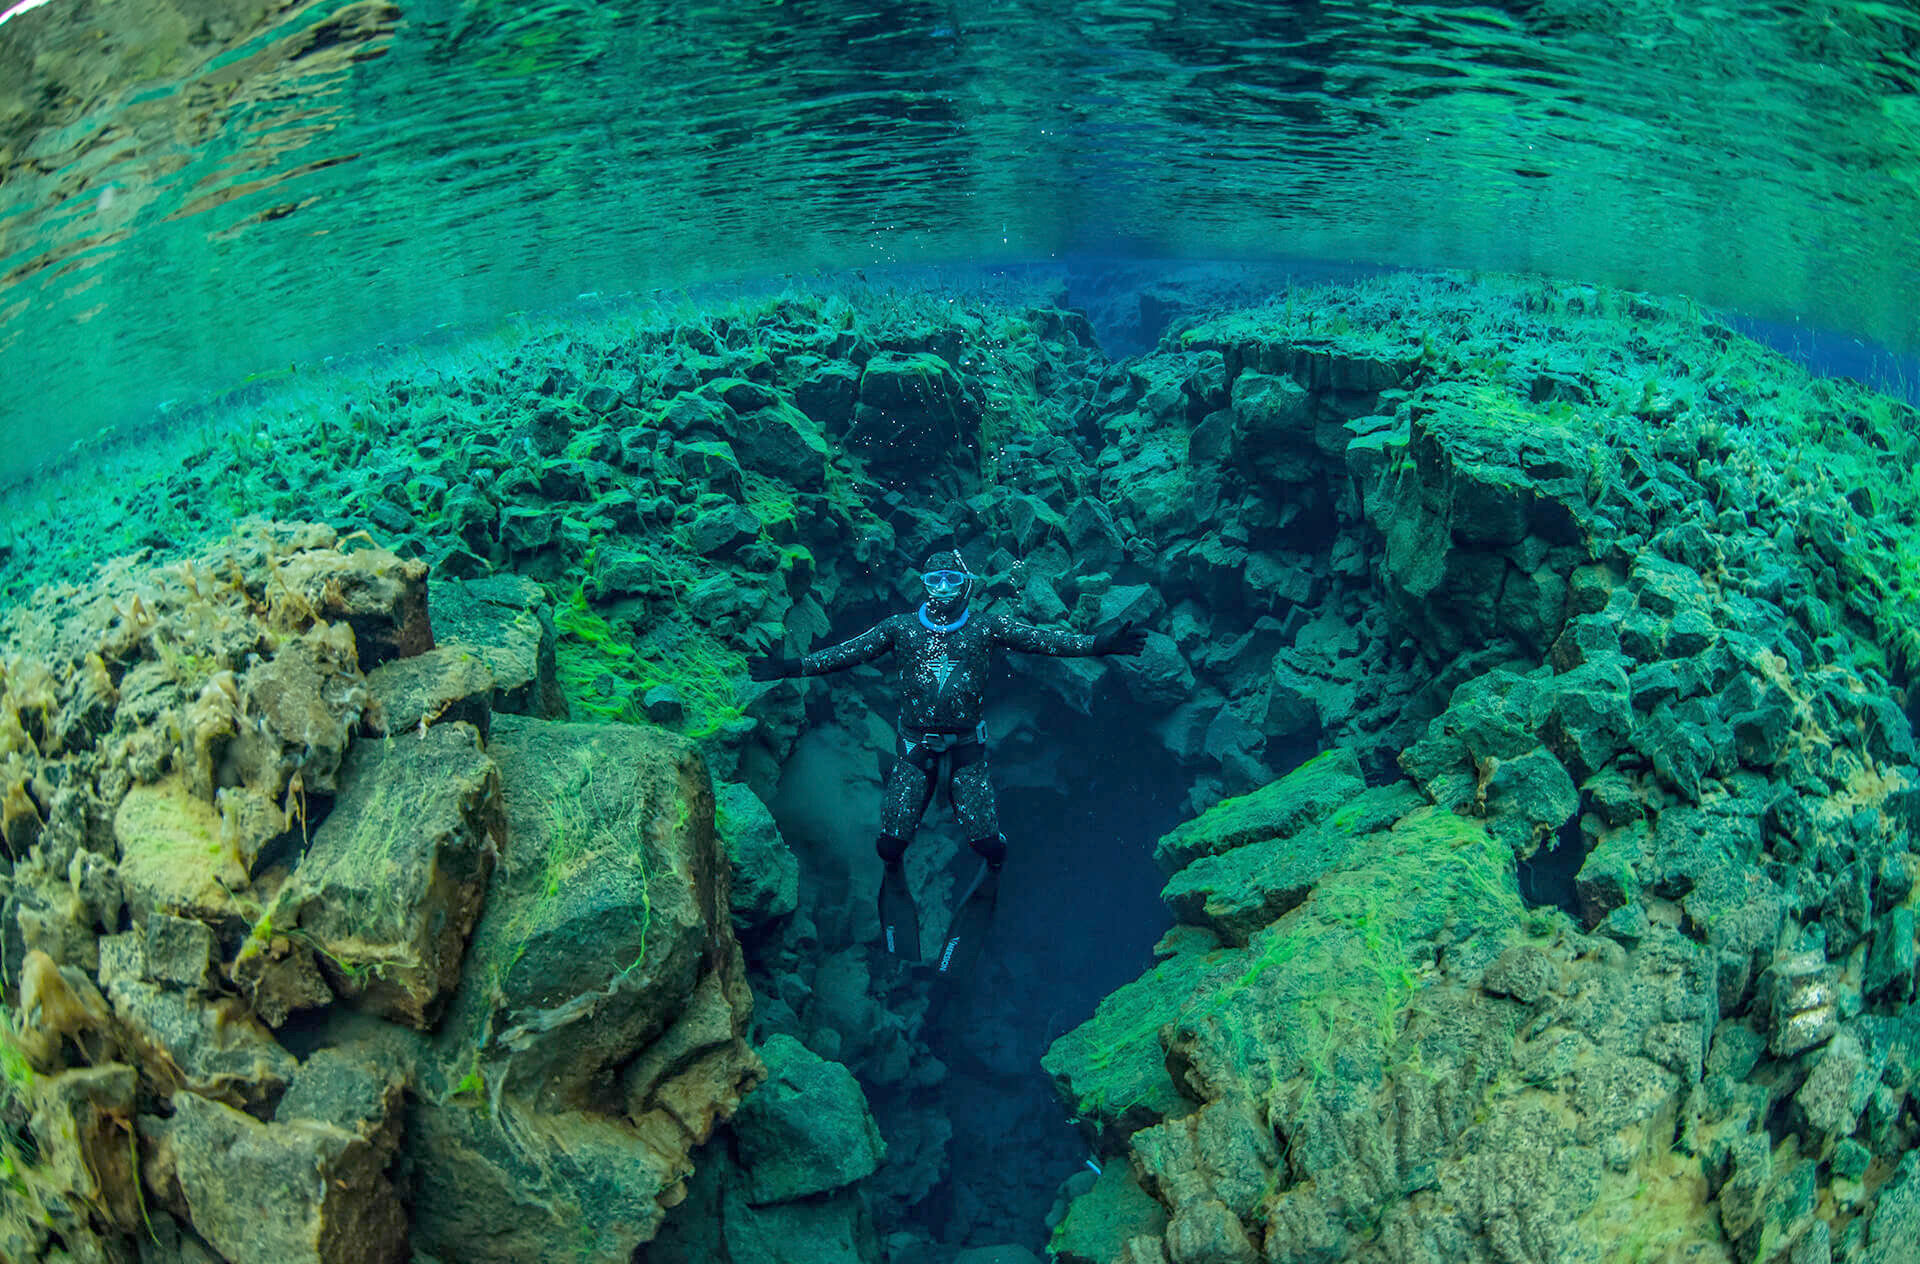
x: 866, y: 647
x: 1028, y: 639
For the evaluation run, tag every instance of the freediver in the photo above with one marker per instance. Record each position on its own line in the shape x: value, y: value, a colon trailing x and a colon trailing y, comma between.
x: 941, y: 655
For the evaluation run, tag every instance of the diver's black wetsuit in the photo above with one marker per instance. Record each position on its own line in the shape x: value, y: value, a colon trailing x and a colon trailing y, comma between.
x: 942, y: 652
x: 942, y: 676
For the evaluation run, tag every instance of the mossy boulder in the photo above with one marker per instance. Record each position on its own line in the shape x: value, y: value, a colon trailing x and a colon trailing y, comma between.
x: 507, y: 622
x: 597, y: 1035
x: 807, y: 1130
x: 172, y: 857
x: 1276, y: 810
x: 447, y: 683
x: 1238, y: 892
x: 396, y: 874
x: 1111, y: 1070
x: 766, y: 873
x: 1100, y: 1222
x: 608, y: 909
x: 306, y: 1192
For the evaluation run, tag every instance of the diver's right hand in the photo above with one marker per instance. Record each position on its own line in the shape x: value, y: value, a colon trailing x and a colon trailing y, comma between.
x: 766, y: 667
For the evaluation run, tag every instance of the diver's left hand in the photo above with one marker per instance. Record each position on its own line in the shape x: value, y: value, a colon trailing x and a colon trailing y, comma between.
x: 1125, y: 639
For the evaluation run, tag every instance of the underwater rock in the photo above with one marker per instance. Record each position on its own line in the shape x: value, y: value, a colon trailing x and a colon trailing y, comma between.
x: 606, y: 920
x: 1112, y: 1069
x: 807, y: 1130
x: 214, y: 1049
x: 383, y: 598
x: 604, y: 951
x: 358, y: 1087
x: 171, y: 856
x: 912, y: 412
x: 765, y: 872
x: 721, y: 532
x: 786, y: 445
x: 507, y: 621
x: 179, y: 951
x: 1240, y: 891
x: 80, y: 1129
x: 1526, y: 799
x: 1100, y: 1223
x: 396, y: 874
x: 278, y: 976
x: 300, y: 1191
x: 1276, y: 810
x: 446, y: 684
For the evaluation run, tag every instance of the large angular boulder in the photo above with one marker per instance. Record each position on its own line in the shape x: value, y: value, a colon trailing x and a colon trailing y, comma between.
x: 507, y: 621
x: 302, y: 1192
x: 1276, y: 810
x: 807, y: 1130
x: 766, y: 873
x: 382, y: 597
x: 597, y: 1034
x: 396, y: 874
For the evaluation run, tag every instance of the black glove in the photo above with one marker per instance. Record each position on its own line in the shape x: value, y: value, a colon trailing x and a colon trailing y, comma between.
x: 763, y: 667
x: 1125, y: 639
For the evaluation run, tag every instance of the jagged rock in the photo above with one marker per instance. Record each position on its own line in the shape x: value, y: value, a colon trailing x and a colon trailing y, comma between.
x: 1237, y: 747
x: 396, y: 873
x: 1205, y: 1232
x: 1240, y: 891
x: 1273, y: 427
x: 179, y: 951
x: 1159, y: 675
x: 214, y: 1048
x: 1801, y: 998
x: 80, y: 1125
x: 300, y: 1191
x: 171, y: 856
x: 1836, y: 1091
x: 785, y: 444
x: 1895, y: 1222
x: 1589, y: 716
x: 305, y: 702
x: 621, y: 572
x: 765, y: 872
x: 827, y: 394
x: 722, y: 531
x: 446, y: 684
x: 507, y: 621
x: 1522, y: 972
x: 383, y: 598
x: 278, y: 977
x: 1306, y: 795
x: 1112, y: 1069
x: 1101, y: 1223
x: 912, y: 411
x: 807, y: 1130
x: 499, y: 1188
x: 609, y: 907
x: 712, y: 463
x: 1527, y: 799
x: 1890, y: 964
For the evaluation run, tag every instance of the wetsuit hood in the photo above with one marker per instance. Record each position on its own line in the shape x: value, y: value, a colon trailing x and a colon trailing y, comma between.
x: 948, y: 582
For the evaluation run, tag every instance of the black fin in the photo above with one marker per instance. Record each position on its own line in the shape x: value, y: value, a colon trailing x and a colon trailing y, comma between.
x: 971, y: 920
x: 899, y: 920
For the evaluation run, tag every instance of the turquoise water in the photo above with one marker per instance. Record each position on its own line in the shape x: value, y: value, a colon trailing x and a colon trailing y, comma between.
x: 1499, y: 846
x: 195, y: 194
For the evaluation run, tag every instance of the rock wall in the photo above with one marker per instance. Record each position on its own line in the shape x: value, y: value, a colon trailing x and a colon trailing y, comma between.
x: 312, y: 956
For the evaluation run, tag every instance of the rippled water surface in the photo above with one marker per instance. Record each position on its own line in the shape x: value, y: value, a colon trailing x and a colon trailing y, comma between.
x: 194, y: 191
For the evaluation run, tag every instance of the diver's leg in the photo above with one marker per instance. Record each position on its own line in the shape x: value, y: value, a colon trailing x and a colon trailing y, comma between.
x: 903, y: 801
x: 973, y: 915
